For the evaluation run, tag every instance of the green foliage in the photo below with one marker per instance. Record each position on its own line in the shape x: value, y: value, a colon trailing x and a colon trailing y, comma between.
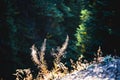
x: 81, y: 32
x: 85, y: 15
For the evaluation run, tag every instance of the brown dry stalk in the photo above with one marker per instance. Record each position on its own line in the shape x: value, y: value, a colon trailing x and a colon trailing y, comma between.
x: 34, y: 55
x: 60, y: 53
x: 41, y: 63
x: 42, y: 52
x: 26, y: 72
x: 59, y: 68
x: 99, y: 54
x: 62, y: 49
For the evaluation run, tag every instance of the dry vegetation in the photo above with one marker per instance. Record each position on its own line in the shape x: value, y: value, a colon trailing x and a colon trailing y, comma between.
x: 59, y: 70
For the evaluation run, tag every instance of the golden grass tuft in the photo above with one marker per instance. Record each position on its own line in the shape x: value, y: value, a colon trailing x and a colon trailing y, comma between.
x: 59, y: 70
x: 23, y: 74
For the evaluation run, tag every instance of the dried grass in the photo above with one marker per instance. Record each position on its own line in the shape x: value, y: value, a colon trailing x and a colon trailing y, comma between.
x: 23, y: 74
x: 59, y: 70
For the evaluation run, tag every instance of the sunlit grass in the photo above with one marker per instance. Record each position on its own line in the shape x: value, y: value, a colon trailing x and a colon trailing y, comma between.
x: 59, y: 70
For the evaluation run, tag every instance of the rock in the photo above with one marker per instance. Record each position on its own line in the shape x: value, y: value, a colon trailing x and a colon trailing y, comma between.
x: 108, y: 69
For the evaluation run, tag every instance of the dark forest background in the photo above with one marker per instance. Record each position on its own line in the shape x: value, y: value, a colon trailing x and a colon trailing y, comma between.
x: 88, y: 23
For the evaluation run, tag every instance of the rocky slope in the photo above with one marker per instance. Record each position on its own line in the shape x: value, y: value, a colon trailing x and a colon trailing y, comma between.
x: 107, y: 69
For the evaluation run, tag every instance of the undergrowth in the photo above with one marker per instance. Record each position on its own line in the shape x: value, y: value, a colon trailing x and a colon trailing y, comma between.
x: 59, y: 70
